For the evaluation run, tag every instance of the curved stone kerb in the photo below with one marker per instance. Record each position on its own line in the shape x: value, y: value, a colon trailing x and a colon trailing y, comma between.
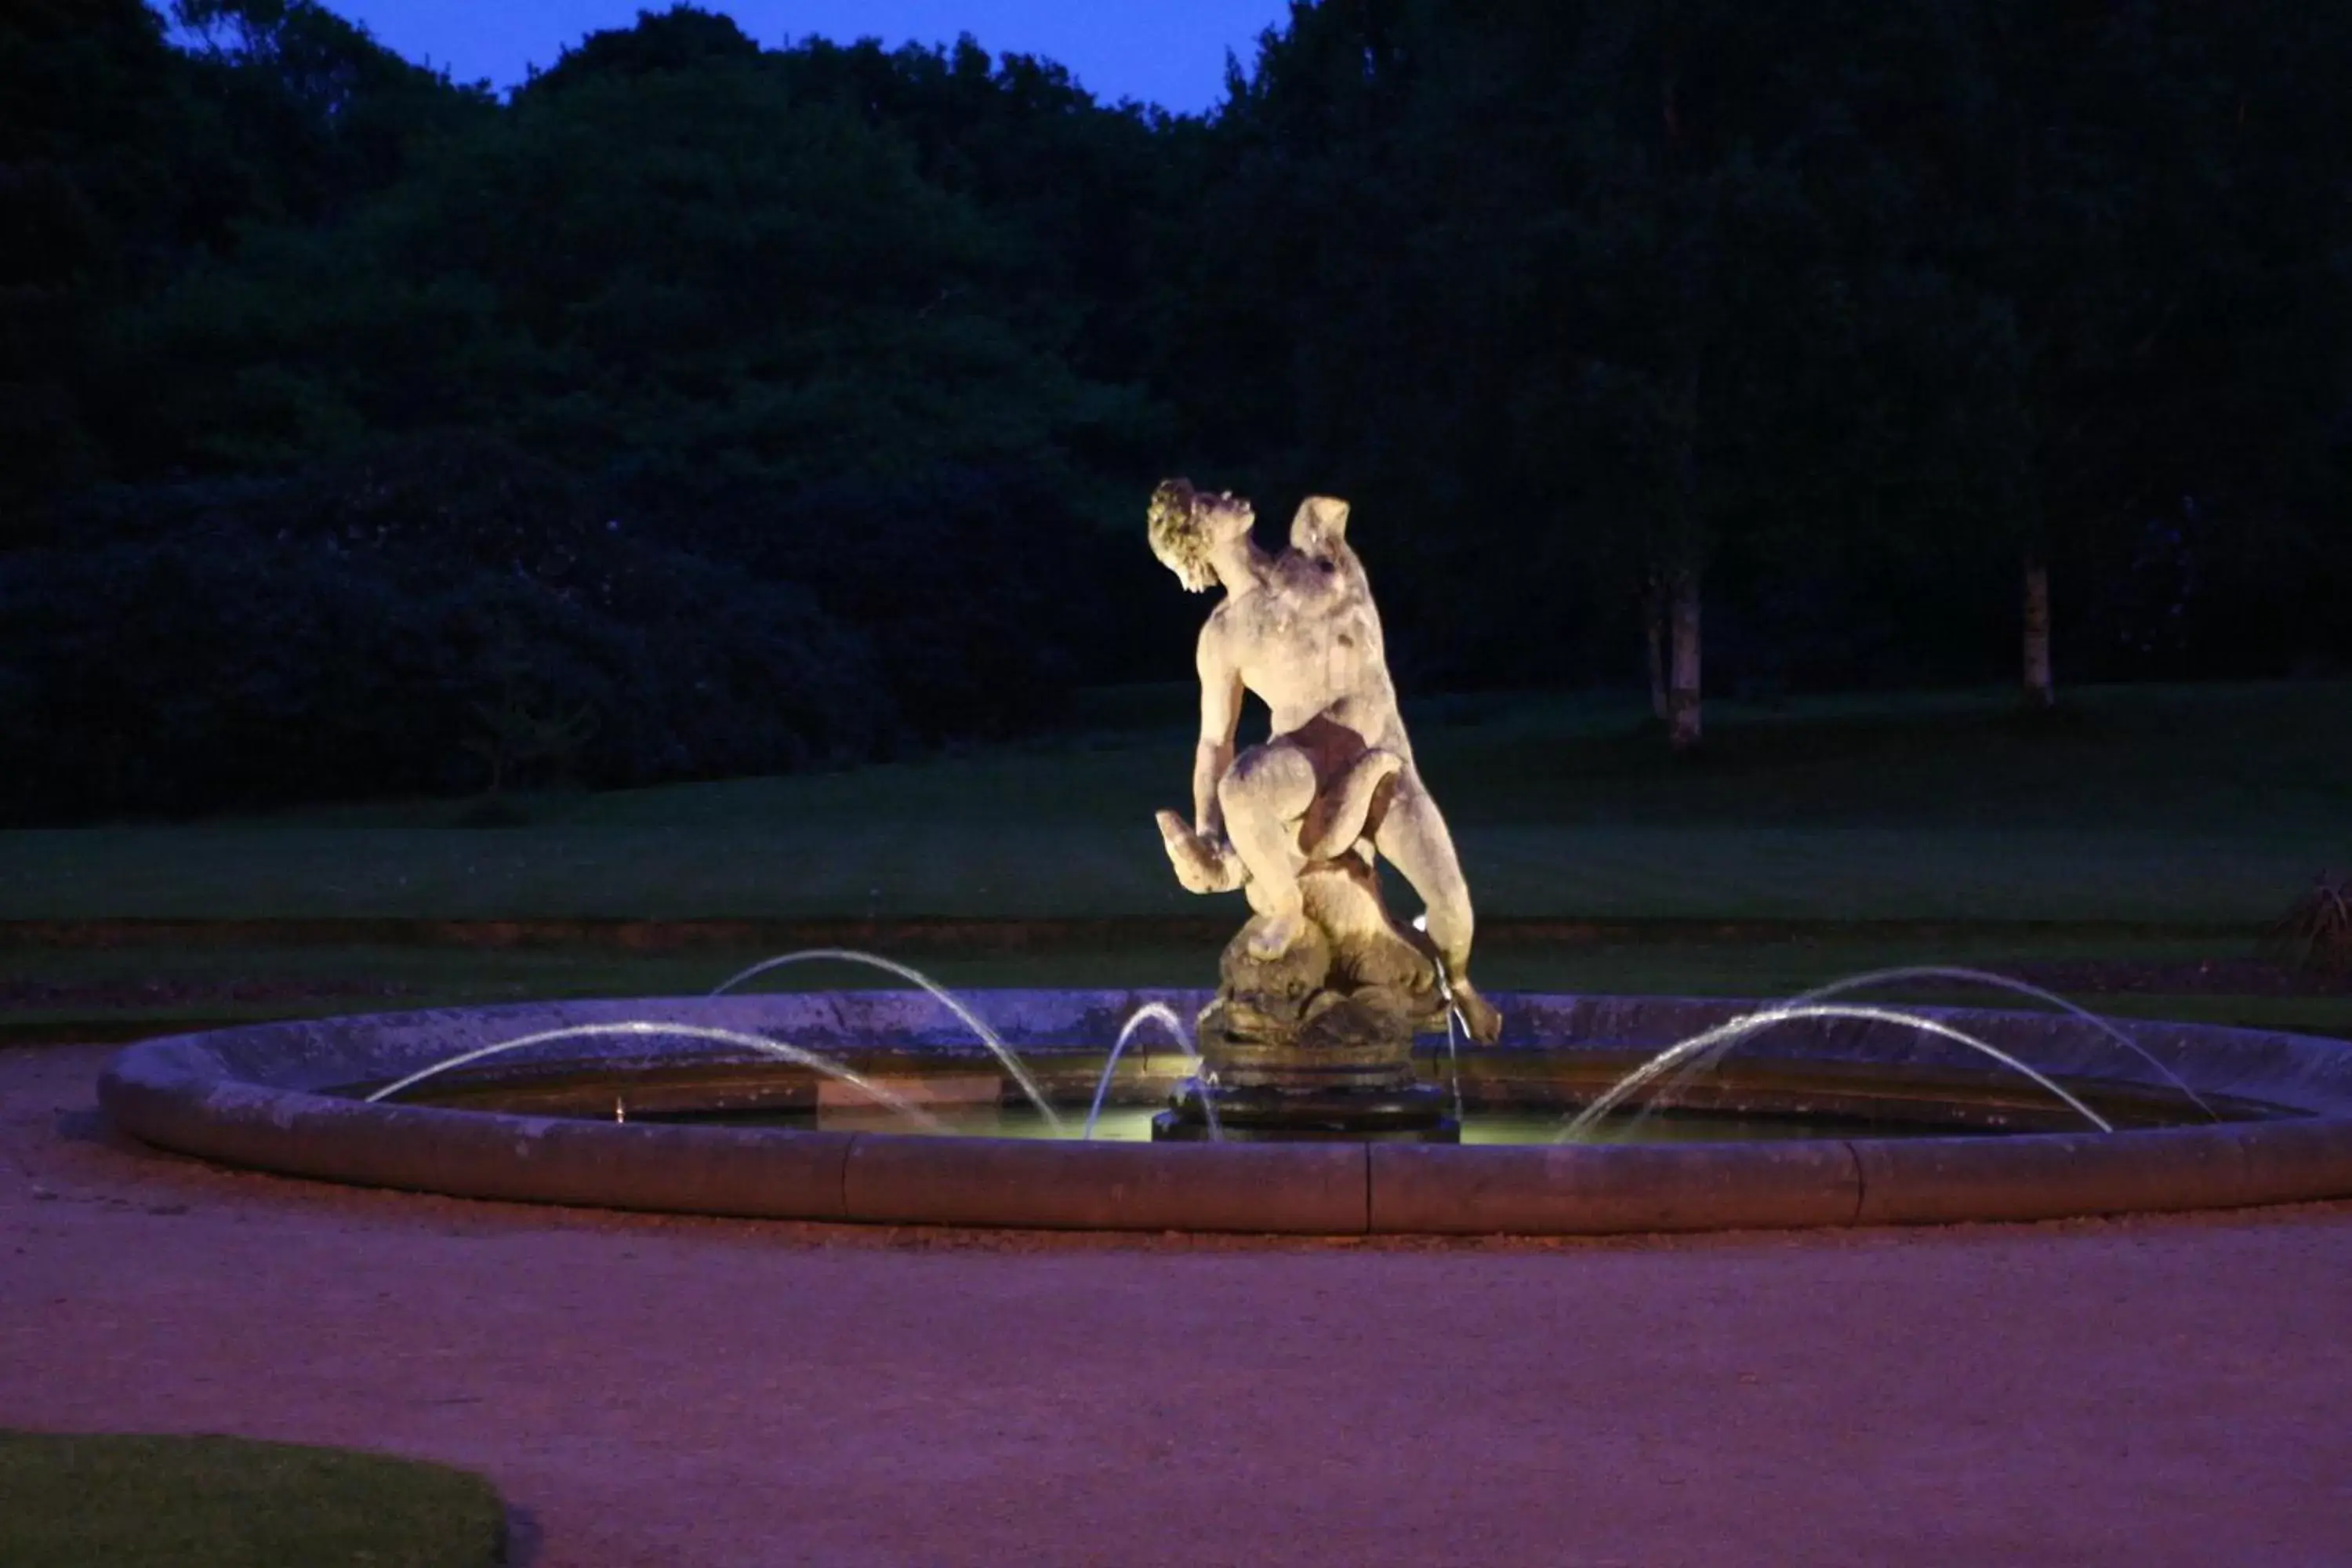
x: 250, y: 1097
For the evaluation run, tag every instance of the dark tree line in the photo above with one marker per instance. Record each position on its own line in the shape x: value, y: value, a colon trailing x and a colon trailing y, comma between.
x: 703, y: 408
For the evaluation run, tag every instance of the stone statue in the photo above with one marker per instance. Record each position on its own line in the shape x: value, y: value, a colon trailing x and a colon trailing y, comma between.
x: 1298, y: 823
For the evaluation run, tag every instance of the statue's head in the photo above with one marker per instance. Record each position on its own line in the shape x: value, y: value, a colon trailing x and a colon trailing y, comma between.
x: 1186, y: 526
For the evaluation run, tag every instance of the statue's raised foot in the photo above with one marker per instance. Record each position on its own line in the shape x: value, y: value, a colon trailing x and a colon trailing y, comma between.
x: 1479, y: 1018
x: 1202, y: 864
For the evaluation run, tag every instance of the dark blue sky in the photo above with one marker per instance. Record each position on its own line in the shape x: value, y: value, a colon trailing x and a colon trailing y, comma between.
x: 1169, y: 52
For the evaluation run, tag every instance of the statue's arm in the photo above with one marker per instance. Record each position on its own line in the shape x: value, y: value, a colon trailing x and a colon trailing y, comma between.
x: 1221, y: 714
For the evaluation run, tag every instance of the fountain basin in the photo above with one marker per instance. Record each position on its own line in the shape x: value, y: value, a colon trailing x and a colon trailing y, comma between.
x: 284, y: 1097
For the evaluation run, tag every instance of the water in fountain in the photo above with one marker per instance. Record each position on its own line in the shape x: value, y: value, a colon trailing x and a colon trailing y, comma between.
x: 1701, y: 1062
x: 1672, y: 1067
x: 988, y: 1036
x: 1150, y: 1012
x: 778, y: 1049
x: 1724, y: 1036
x: 2003, y: 982
x: 1456, y: 1024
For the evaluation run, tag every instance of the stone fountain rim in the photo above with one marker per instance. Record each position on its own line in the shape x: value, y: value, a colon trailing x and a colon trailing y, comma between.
x: 262, y: 1096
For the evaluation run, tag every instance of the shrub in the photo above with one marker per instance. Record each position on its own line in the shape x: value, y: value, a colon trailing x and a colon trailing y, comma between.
x: 220, y: 668
x: 2315, y: 935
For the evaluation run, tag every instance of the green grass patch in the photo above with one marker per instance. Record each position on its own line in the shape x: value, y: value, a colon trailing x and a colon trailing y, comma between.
x: 2183, y: 805
x: 122, y: 992
x: 223, y: 1502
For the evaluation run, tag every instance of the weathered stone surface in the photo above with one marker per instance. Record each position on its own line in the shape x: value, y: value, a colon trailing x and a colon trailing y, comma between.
x: 275, y: 1097
x: 1322, y: 976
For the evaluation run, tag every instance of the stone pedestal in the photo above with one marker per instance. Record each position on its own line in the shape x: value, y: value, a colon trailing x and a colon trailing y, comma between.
x: 1315, y: 1040
x: 1417, y: 1113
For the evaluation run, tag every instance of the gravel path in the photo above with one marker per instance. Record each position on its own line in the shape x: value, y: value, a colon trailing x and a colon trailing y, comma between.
x: 689, y: 1392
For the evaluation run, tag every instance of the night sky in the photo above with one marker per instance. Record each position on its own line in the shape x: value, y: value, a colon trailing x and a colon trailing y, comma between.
x: 1169, y: 52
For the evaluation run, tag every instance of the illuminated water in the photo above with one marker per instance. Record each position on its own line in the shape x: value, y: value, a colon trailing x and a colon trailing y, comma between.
x: 1132, y: 1124
x: 948, y: 999
x: 1605, y: 1120
x: 1910, y: 973
x: 1713, y: 1042
x: 883, y: 1097
x: 1164, y: 1015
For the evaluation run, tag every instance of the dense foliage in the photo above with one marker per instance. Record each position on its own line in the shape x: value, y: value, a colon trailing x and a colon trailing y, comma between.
x: 703, y: 408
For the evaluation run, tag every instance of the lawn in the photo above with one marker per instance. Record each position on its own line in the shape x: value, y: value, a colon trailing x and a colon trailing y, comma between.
x: 2140, y: 825
x: 2183, y: 805
x: 220, y: 1502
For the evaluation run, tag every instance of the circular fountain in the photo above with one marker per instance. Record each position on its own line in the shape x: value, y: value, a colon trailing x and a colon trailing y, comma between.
x: 1315, y: 1102
x: 767, y: 1106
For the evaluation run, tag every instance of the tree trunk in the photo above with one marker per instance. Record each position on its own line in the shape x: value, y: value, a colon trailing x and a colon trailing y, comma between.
x: 1682, y: 697
x: 1654, y: 640
x: 2039, y: 690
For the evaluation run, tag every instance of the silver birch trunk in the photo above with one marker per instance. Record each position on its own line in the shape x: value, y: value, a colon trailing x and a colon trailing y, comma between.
x: 1682, y: 695
x: 2040, y: 692
x: 1653, y: 642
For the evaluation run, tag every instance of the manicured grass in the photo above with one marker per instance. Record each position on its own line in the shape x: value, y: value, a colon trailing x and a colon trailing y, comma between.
x: 910, y: 868
x: 220, y: 1502
x: 110, y: 992
x: 2139, y: 823
x: 2201, y: 805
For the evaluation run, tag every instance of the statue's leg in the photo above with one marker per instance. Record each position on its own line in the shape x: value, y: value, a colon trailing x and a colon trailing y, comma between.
x: 1413, y: 836
x: 1337, y: 818
x: 1264, y: 793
